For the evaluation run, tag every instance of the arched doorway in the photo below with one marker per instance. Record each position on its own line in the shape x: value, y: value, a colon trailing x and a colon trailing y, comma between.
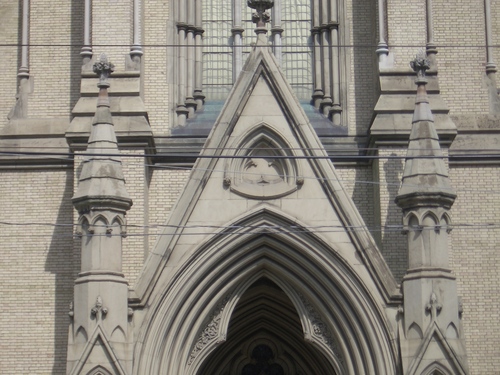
x: 332, y: 312
x: 265, y: 337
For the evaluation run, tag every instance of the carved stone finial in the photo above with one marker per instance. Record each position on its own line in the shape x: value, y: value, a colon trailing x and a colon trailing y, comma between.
x: 260, y: 17
x: 103, y: 68
x: 419, y: 65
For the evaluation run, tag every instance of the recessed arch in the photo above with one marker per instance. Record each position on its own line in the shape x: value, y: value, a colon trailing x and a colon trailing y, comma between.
x: 436, y: 368
x: 266, y: 322
x: 99, y: 370
x: 214, y: 277
x: 264, y: 166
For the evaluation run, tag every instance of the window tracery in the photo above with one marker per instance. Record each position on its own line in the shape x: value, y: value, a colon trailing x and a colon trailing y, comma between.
x: 215, y: 38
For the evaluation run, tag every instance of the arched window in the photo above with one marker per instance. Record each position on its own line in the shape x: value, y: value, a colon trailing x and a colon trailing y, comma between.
x: 215, y: 37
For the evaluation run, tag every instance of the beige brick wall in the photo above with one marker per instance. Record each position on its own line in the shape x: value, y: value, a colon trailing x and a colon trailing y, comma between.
x: 462, y: 57
x: 476, y: 261
x: 51, y: 57
x: 406, y: 27
x: 9, y: 21
x: 359, y: 185
x: 36, y: 270
x: 156, y: 89
x: 134, y: 245
x: 112, y: 28
x: 165, y: 185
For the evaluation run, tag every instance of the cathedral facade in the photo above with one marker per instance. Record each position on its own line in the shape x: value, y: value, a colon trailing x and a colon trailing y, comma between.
x: 250, y: 187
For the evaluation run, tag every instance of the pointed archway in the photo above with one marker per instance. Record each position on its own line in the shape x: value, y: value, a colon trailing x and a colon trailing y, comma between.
x: 265, y: 336
x: 339, y: 315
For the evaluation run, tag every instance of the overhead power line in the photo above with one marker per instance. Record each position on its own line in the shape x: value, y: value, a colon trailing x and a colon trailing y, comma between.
x: 220, y: 156
x: 295, y: 45
x: 244, y: 230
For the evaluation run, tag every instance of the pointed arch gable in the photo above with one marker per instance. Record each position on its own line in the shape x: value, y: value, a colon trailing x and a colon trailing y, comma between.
x: 210, y: 282
x: 453, y: 364
x: 261, y: 64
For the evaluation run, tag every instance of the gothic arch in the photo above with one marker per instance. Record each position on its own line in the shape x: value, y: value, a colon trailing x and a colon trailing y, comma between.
x: 436, y: 369
x: 263, y: 167
x: 99, y: 370
x: 203, y: 294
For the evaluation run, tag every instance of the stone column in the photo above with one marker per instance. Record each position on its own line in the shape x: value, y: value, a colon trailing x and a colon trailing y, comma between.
x: 198, y: 57
x: 430, y: 47
x: 382, y: 48
x: 318, y: 93
x: 86, y: 51
x: 276, y: 31
x: 136, y: 49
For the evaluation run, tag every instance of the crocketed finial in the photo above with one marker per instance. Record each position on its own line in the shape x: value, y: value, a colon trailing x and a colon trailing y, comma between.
x: 261, y: 16
x: 103, y: 68
x: 420, y: 64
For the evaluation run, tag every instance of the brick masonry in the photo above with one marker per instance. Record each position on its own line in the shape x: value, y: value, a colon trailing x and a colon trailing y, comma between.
x: 37, y: 270
x: 475, y: 260
x: 38, y: 263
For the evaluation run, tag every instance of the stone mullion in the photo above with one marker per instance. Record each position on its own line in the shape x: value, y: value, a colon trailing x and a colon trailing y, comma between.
x: 276, y: 31
x: 136, y: 50
x: 336, y: 109
x: 182, y: 111
x: 198, y: 53
x: 491, y: 67
x: 430, y: 46
x: 326, y: 103
x: 318, y: 87
x: 237, y: 31
x: 382, y: 48
x: 23, y: 73
x: 86, y: 51
x: 190, y: 102
x: 333, y: 23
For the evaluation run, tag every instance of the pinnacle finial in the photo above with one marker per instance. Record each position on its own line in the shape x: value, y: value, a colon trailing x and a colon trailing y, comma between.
x: 261, y: 16
x: 103, y: 68
x: 419, y: 65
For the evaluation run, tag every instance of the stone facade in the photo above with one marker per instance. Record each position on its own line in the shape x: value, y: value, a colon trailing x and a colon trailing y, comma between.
x: 48, y: 98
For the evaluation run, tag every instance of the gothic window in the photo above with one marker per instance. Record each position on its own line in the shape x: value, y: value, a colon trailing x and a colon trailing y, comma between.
x: 215, y: 37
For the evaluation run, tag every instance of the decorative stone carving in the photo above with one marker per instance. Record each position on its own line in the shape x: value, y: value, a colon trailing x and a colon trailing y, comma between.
x: 420, y: 64
x: 103, y: 68
x: 321, y: 330
x: 433, y: 306
x: 71, y: 312
x: 99, y: 311
x: 88, y: 222
x: 261, y: 16
x: 264, y: 166
x: 211, y: 331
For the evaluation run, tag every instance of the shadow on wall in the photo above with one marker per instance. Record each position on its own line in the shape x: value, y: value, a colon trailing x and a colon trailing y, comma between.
x: 394, y: 244
x: 364, y: 63
x: 63, y: 261
x: 77, y: 10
